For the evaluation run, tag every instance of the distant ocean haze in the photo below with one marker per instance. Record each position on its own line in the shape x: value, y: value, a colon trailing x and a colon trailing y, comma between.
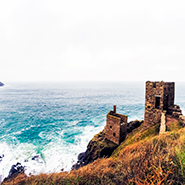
x: 44, y: 126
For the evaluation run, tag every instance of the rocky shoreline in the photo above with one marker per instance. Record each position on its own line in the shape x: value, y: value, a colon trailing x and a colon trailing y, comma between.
x: 14, y: 171
x: 17, y: 168
x: 100, y: 147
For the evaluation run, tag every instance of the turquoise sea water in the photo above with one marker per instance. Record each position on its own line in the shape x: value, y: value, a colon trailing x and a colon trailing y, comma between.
x: 55, y: 121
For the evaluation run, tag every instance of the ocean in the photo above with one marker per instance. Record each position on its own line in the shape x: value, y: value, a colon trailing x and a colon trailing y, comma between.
x: 44, y: 126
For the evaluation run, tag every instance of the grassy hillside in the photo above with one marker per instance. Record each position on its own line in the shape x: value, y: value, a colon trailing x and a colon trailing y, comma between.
x: 143, y: 158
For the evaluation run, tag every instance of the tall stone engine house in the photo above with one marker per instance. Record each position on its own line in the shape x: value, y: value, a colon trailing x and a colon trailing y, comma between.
x: 159, y: 98
x: 116, y: 127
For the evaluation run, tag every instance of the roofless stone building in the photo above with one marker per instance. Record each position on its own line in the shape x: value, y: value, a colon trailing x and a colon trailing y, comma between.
x: 159, y: 109
x: 159, y: 104
x: 159, y: 98
x: 116, y: 126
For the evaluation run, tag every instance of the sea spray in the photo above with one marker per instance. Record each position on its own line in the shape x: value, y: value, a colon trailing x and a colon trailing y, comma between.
x: 45, y: 126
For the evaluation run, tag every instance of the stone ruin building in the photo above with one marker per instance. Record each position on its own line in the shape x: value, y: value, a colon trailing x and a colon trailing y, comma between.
x: 159, y: 104
x: 116, y: 126
x: 159, y: 108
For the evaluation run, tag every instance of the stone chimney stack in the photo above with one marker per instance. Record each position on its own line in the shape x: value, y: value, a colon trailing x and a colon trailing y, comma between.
x: 114, y: 108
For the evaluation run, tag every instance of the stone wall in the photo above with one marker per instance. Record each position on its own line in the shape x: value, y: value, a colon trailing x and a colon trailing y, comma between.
x: 169, y: 92
x: 112, y: 129
x: 121, y: 116
x: 123, y: 131
x: 182, y: 120
x: 163, y: 123
x: 159, y: 96
x: 116, y: 127
x: 175, y: 111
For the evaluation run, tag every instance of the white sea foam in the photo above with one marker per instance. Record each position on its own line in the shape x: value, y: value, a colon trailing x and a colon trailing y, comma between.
x: 72, y: 123
x: 12, y: 155
x: 35, y: 110
x: 61, y: 133
x: 44, y: 135
x: 56, y: 156
x: 21, y: 112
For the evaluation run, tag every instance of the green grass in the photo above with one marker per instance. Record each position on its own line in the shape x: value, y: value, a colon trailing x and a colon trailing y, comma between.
x: 143, y: 158
x: 137, y: 135
x: 174, y: 126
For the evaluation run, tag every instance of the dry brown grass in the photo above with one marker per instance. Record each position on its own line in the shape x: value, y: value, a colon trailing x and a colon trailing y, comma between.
x: 157, y: 160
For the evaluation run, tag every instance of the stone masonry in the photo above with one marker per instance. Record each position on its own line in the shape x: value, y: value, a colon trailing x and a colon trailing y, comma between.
x: 116, y: 126
x: 163, y: 123
x: 159, y: 97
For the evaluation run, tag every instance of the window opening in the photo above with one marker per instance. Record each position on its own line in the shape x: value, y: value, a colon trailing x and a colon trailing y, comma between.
x: 157, y: 102
x: 166, y: 103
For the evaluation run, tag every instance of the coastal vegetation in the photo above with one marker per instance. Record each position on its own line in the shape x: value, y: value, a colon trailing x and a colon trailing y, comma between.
x: 144, y: 157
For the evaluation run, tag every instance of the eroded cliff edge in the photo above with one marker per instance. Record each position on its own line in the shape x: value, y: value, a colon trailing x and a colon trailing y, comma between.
x: 99, y: 147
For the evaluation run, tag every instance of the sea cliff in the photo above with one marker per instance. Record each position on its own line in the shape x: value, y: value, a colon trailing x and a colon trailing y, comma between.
x: 144, y: 157
x: 100, y: 146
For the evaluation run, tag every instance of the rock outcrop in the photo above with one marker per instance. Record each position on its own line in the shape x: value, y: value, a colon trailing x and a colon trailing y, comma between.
x: 100, y: 147
x: 1, y: 157
x: 133, y: 125
x: 175, y: 111
x: 1, y: 84
x: 14, y: 171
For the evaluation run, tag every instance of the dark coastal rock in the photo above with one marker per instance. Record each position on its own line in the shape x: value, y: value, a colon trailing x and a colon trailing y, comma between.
x: 14, y: 171
x: 133, y: 125
x: 81, y: 156
x: 1, y: 84
x: 37, y: 158
x: 1, y: 157
x: 98, y: 147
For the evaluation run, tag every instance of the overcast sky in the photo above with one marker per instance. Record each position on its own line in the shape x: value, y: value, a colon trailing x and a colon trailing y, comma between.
x: 99, y: 40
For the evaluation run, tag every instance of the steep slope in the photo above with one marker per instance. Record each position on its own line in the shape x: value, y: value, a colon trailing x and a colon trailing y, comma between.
x: 100, y: 146
x: 143, y: 158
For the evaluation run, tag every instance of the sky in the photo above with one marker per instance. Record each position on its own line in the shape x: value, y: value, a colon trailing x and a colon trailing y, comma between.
x: 99, y: 40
